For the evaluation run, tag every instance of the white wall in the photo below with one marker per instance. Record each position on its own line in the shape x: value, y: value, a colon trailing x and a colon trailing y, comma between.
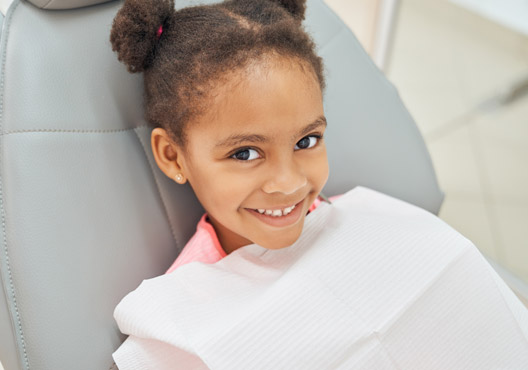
x: 510, y: 13
x: 4, y: 5
x: 372, y: 21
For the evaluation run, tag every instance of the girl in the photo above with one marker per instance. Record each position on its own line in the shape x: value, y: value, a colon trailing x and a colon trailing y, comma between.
x: 235, y: 93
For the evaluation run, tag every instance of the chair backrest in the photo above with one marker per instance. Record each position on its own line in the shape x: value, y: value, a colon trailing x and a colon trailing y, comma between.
x: 86, y: 213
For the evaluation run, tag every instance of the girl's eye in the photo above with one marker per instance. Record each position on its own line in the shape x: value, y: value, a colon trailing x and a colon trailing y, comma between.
x: 246, y: 155
x: 307, y: 142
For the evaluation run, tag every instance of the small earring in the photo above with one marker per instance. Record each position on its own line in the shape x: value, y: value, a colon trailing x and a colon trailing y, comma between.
x: 179, y: 178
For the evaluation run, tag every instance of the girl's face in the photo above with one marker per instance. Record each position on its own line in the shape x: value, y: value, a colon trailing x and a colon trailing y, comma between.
x: 257, y: 150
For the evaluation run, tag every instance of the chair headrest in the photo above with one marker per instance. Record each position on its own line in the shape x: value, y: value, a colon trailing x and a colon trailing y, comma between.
x: 65, y: 4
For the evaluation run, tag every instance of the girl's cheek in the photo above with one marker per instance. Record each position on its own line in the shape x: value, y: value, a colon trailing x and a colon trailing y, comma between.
x: 318, y: 167
x: 229, y: 188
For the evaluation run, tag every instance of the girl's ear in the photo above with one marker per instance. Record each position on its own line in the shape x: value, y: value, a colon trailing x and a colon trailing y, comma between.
x: 297, y: 8
x: 168, y: 156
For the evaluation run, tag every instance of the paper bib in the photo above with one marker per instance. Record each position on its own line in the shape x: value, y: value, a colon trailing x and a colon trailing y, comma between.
x: 372, y: 283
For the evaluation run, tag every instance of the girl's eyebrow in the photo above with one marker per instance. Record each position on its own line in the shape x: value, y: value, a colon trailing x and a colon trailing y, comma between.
x: 236, y: 139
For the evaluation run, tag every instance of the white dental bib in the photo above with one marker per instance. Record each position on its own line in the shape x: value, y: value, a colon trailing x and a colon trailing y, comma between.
x: 372, y: 283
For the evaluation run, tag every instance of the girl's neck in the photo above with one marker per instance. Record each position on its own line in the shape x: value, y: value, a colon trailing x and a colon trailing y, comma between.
x: 229, y: 241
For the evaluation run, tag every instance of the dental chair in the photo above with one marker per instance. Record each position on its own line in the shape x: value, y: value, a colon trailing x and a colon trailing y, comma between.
x: 87, y: 215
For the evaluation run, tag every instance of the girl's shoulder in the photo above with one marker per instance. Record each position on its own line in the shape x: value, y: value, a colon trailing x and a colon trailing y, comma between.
x: 204, y: 246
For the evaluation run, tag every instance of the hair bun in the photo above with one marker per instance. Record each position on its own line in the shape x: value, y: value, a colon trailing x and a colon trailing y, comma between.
x: 296, y: 8
x: 134, y: 31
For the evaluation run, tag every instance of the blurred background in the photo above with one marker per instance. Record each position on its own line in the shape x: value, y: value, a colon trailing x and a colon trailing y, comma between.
x: 461, y: 69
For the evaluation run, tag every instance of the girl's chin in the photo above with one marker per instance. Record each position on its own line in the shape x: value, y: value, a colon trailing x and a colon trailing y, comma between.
x: 280, y: 243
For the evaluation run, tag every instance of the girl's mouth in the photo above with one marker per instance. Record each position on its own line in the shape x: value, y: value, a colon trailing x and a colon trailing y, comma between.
x: 279, y: 217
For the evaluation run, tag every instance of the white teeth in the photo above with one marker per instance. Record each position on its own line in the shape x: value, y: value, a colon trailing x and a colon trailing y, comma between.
x: 276, y: 212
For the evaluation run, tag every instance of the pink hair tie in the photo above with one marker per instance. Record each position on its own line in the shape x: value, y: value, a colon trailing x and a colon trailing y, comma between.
x: 160, y: 30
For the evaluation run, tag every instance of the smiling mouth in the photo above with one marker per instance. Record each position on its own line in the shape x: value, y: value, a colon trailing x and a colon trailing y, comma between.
x: 278, y: 216
x: 276, y: 212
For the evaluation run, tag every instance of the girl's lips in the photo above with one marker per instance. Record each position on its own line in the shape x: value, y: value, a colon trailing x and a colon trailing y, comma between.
x: 279, y: 221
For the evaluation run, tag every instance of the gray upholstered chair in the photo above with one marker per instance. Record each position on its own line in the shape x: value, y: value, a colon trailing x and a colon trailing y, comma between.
x: 87, y: 215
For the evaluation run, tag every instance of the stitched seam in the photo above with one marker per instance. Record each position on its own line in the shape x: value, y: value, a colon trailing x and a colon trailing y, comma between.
x: 45, y: 5
x: 158, y: 188
x: 18, y: 326
x: 73, y: 130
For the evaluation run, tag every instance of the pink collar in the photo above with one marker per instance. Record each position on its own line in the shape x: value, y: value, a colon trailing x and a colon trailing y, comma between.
x: 204, y: 224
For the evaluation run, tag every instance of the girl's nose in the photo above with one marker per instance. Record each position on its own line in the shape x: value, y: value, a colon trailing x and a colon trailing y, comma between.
x: 285, y: 177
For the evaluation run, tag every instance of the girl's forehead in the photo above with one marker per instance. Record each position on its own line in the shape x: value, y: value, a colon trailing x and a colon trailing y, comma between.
x: 279, y: 97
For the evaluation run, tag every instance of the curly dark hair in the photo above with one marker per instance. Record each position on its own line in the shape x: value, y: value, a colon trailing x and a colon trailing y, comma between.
x: 199, y: 45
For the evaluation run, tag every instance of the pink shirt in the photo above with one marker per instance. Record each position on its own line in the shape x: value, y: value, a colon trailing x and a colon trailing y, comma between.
x: 204, y: 245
